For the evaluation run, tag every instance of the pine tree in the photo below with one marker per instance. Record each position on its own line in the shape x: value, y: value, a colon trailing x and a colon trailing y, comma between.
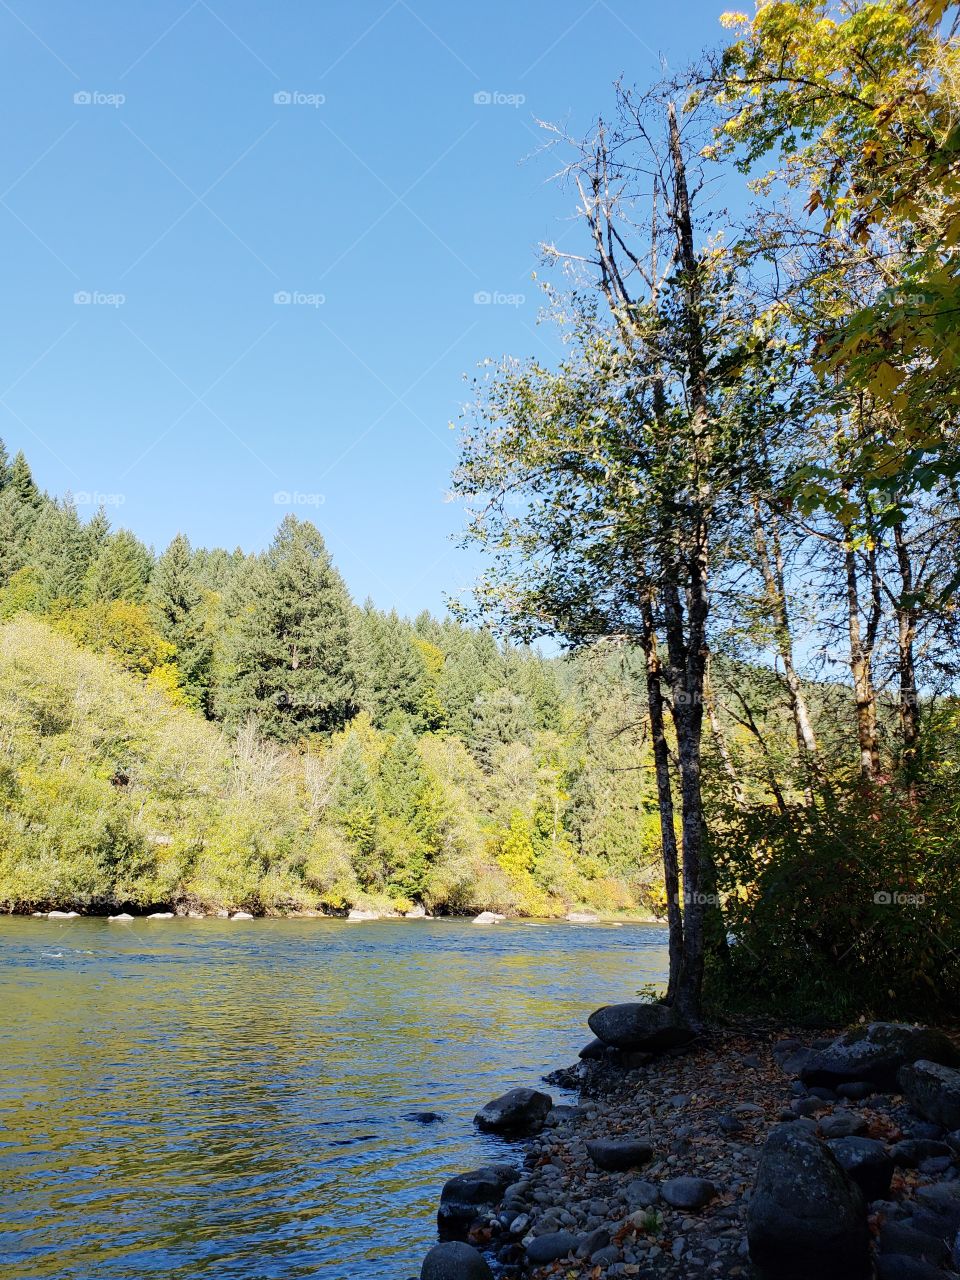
x: 5, y: 468
x: 120, y: 571
x: 57, y: 554
x: 412, y: 815
x: 354, y: 810
x: 176, y: 607
x: 20, y: 505
x: 291, y: 659
x: 393, y: 672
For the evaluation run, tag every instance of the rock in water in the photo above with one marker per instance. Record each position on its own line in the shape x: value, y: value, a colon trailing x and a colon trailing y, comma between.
x: 806, y: 1218
x: 419, y: 912
x: 454, y: 1261
x: 934, y: 1091
x: 876, y: 1053
x: 518, y: 1112
x: 357, y: 913
x: 122, y: 918
x: 652, y: 1028
x: 867, y: 1162
x: 617, y: 1154
x: 423, y: 1117
x: 488, y: 917
x: 62, y: 915
x: 241, y: 915
x: 464, y: 1196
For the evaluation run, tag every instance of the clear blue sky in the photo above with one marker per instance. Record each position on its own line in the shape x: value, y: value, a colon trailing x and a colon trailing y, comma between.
x: 145, y: 155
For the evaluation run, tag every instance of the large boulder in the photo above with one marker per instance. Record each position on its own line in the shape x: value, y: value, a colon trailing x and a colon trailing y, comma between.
x: 876, y: 1053
x: 465, y: 1196
x: 650, y: 1028
x: 933, y: 1090
x: 806, y: 1217
x: 454, y: 1261
x: 550, y: 1247
x: 868, y: 1163
x: 516, y: 1113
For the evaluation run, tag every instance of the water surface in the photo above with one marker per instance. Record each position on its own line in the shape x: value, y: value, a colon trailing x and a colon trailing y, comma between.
x: 190, y: 1098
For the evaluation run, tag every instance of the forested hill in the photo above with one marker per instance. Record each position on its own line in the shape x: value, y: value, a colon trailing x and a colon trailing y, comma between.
x: 207, y: 728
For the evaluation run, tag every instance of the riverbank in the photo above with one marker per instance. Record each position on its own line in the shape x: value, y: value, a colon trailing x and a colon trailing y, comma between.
x: 358, y: 914
x: 653, y: 1174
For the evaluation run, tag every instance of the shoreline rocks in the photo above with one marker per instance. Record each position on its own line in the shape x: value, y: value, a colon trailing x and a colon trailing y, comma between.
x: 647, y: 1028
x: 516, y: 1113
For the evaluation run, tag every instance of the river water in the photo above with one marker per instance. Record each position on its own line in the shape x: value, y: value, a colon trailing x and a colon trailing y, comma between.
x: 215, y: 1098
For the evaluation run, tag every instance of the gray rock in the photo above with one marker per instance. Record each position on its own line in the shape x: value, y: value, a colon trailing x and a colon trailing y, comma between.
x: 605, y: 1257
x: 454, y: 1261
x: 843, y: 1124
x: 867, y: 1162
x: 688, y: 1193
x: 518, y: 1112
x: 856, y: 1091
x: 901, y: 1266
x: 593, y: 1051
x: 465, y: 1195
x: 808, y: 1106
x: 955, y: 1252
x: 806, y: 1217
x: 589, y: 1245
x: 550, y: 1247
x: 641, y: 1194
x: 899, y: 1237
x: 650, y: 1028
x: 942, y: 1202
x: 617, y: 1154
x: 911, y: 1151
x: 876, y: 1053
x: 934, y: 1090
x: 423, y: 1117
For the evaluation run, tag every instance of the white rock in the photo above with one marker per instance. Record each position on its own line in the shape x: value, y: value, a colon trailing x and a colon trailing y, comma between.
x: 581, y: 917
x: 358, y: 914
x: 223, y: 915
x: 241, y: 915
x: 62, y: 915
x: 416, y: 913
x: 160, y: 915
x: 488, y: 917
x: 122, y: 918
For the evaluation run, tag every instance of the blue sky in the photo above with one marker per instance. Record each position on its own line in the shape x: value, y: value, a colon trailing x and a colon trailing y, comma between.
x: 170, y: 168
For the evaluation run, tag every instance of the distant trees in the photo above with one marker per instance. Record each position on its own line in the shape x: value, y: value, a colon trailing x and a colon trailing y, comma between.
x: 177, y: 608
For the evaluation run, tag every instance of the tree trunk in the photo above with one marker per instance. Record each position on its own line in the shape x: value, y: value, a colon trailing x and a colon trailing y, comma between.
x: 770, y: 556
x: 661, y: 760
x: 906, y: 634
x: 860, y: 669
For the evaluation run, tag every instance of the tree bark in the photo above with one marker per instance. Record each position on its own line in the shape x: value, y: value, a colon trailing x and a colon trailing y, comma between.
x: 860, y: 670
x: 906, y: 634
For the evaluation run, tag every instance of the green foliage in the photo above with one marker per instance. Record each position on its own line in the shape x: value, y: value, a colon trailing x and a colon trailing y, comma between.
x: 292, y: 665
x: 176, y: 607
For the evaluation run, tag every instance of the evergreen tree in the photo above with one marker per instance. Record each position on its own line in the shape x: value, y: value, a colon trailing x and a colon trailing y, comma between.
x: 5, y: 468
x: 120, y: 570
x: 176, y: 607
x: 57, y: 553
x: 393, y: 672
x: 412, y: 815
x: 20, y: 505
x: 291, y: 659
x: 355, y: 811
x: 499, y: 717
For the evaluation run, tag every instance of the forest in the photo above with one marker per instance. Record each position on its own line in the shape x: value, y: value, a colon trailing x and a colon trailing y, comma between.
x: 733, y: 503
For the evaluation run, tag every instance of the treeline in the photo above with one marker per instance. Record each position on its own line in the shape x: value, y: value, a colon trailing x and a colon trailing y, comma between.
x: 351, y: 756
x: 748, y: 459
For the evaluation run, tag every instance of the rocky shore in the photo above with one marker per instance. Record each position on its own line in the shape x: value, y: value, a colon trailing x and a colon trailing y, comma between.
x: 739, y: 1153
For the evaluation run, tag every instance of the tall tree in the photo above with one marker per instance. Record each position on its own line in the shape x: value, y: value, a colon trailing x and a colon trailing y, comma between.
x: 292, y: 662
x: 176, y: 607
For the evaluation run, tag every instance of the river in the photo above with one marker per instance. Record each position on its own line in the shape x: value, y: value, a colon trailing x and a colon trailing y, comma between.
x: 188, y: 1098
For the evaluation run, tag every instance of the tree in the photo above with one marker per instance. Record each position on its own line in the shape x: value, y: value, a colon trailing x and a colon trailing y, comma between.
x: 412, y: 815
x: 120, y: 570
x: 176, y: 606
x: 292, y: 668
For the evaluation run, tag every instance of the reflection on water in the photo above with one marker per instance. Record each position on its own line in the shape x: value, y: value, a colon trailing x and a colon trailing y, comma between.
x: 185, y: 1098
